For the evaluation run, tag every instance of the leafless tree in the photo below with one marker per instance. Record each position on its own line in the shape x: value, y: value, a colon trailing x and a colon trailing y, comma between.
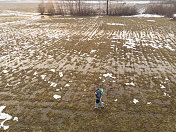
x: 50, y: 8
x: 41, y: 7
x: 107, y: 7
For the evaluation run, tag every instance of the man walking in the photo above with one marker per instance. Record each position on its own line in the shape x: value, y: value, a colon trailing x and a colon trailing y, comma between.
x: 98, y: 95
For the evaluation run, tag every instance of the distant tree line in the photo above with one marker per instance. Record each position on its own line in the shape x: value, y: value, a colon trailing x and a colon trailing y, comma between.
x: 166, y: 8
x: 79, y: 8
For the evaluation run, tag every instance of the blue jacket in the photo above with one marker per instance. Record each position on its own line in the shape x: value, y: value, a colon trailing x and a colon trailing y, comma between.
x: 98, y: 95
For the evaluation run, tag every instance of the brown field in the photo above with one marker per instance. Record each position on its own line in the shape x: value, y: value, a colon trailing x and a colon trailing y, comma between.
x: 130, y: 58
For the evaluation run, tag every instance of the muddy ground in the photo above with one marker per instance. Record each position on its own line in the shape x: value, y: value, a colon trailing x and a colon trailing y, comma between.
x: 50, y: 67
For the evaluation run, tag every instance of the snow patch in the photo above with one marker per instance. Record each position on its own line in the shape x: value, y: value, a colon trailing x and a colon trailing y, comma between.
x: 15, y: 119
x: 165, y: 94
x: 5, y: 71
x: 61, y: 74
x: 5, y: 117
x: 56, y: 36
x: 53, y: 84
x: 59, y: 89
x: 108, y: 75
x: 130, y: 84
x: 135, y: 101
x: 151, y: 20
x: 93, y: 51
x: 3, y: 57
x: 145, y: 15
x: 115, y: 24
x: 67, y: 85
x: 43, y: 76
x: 57, y: 96
x: 149, y: 102
x: 162, y: 86
x: 52, y: 70
x: 166, y: 79
x: 115, y: 100
x: 170, y: 48
x: 130, y: 43
x: 14, y: 84
x: 35, y: 73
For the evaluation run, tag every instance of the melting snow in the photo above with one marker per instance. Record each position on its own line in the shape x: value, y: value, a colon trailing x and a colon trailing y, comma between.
x: 57, y: 96
x: 107, y: 75
x: 92, y: 51
x: 53, y: 36
x: 162, y: 86
x: 5, y: 117
x: 135, y: 101
x: 52, y: 70
x: 165, y: 94
x: 53, y: 84
x: 130, y: 43
x: 85, y: 54
x: 61, y: 74
x: 14, y: 84
x: 130, y: 84
x: 3, y: 57
x: 170, y: 48
x: 67, y: 85
x: 43, y: 76
x: 151, y: 20
x: 144, y: 15
x: 5, y: 71
x: 35, y: 73
x: 44, y: 26
x: 33, y: 78
x: 115, y: 24
x: 59, y: 89
x: 166, y: 79
x: 15, y: 119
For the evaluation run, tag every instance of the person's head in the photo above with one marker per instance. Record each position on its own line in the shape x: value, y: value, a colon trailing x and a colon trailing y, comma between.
x: 97, y: 88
